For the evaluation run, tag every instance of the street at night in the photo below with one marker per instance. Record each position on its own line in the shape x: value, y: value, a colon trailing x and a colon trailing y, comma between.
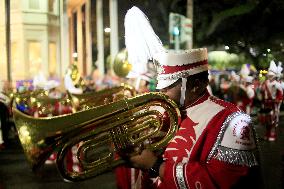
x: 15, y: 172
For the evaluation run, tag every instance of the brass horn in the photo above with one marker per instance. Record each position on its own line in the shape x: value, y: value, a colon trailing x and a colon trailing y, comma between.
x: 102, y: 132
x: 40, y: 101
x: 98, y: 98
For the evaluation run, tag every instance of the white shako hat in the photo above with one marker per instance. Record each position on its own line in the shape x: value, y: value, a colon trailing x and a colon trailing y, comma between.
x: 248, y: 79
x: 143, y: 45
x: 173, y: 65
x: 244, y: 72
x: 235, y: 76
x: 272, y: 70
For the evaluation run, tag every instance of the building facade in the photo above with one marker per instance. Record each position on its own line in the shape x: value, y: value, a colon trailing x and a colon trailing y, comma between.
x: 48, y: 35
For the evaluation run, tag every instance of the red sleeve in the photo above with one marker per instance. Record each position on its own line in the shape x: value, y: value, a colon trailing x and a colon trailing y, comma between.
x: 279, y: 95
x: 198, y: 175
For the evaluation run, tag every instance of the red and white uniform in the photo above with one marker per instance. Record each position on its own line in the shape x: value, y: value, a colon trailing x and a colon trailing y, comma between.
x: 247, y: 103
x: 127, y: 178
x: 213, y: 148
x: 272, y: 96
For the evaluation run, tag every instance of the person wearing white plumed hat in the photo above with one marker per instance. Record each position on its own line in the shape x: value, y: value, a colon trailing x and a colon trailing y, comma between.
x: 272, y: 95
x: 214, y: 146
x: 280, y: 86
x: 235, y: 78
x: 244, y: 71
x: 247, y: 102
x: 279, y: 70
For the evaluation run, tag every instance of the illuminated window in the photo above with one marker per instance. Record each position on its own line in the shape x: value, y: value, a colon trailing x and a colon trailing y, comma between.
x: 14, y: 4
x: 17, y: 67
x: 34, y: 54
x: 34, y: 4
x: 3, y: 63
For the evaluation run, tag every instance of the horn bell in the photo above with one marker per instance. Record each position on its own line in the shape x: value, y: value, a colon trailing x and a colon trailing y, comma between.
x: 103, y: 133
x: 105, y: 96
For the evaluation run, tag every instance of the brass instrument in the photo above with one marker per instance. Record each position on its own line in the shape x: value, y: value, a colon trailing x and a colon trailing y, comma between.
x: 39, y: 101
x: 102, y: 132
x: 46, y: 105
x: 78, y: 81
x: 121, y: 66
x: 27, y: 98
x: 98, y: 98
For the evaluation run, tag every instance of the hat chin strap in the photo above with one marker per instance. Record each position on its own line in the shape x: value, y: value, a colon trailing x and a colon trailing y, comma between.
x: 182, y: 91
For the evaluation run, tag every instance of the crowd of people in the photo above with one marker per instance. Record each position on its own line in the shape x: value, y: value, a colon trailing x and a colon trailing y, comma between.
x: 256, y: 93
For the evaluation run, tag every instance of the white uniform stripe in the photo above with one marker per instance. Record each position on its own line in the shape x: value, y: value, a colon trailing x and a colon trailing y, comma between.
x: 180, y: 176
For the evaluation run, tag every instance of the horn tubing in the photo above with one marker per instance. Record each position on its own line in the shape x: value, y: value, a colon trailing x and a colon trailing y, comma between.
x: 41, y: 136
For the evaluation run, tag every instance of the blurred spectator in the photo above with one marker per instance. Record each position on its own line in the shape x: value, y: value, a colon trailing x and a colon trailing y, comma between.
x: 97, y: 78
x: 71, y: 80
x: 110, y: 80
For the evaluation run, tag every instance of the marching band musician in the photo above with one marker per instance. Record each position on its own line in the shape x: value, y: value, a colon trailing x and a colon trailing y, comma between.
x: 247, y: 103
x: 272, y: 95
x: 234, y: 90
x: 73, y: 81
x: 215, y: 145
x: 280, y: 98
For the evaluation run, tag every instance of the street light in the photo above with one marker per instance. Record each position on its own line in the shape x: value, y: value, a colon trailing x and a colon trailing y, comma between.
x: 107, y: 30
x: 75, y: 55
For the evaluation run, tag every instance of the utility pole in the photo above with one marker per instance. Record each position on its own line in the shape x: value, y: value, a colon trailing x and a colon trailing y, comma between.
x: 8, y: 39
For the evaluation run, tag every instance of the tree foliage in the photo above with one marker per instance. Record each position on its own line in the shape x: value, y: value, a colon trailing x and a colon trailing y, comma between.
x: 248, y: 27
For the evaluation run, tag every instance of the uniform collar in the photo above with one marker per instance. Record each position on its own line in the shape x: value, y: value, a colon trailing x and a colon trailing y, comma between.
x: 201, y: 99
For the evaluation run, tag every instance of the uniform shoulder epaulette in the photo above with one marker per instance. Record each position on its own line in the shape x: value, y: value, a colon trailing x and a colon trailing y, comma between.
x: 235, y: 142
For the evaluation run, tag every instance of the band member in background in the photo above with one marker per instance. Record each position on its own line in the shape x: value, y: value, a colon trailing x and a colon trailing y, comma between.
x: 235, y: 93
x: 215, y: 145
x: 73, y: 81
x: 247, y: 103
x: 272, y: 94
x: 279, y: 96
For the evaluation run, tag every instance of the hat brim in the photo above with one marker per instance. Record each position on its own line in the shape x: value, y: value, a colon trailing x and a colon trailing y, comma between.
x: 270, y: 73
x: 165, y: 83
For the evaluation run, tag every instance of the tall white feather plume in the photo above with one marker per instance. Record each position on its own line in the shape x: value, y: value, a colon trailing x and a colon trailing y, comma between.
x: 140, y: 40
x: 279, y: 69
x: 272, y: 67
x: 244, y: 71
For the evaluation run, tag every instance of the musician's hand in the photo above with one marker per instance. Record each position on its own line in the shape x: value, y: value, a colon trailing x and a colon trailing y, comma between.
x: 143, y: 161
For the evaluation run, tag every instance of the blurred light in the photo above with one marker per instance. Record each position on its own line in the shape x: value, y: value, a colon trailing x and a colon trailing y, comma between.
x: 75, y: 55
x: 263, y: 71
x: 176, y: 31
x: 227, y: 47
x: 264, y: 54
x: 268, y: 50
x: 252, y: 51
x: 240, y: 43
x: 107, y: 30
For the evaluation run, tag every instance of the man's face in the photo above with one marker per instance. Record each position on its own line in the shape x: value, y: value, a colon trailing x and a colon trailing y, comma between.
x: 173, y: 91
